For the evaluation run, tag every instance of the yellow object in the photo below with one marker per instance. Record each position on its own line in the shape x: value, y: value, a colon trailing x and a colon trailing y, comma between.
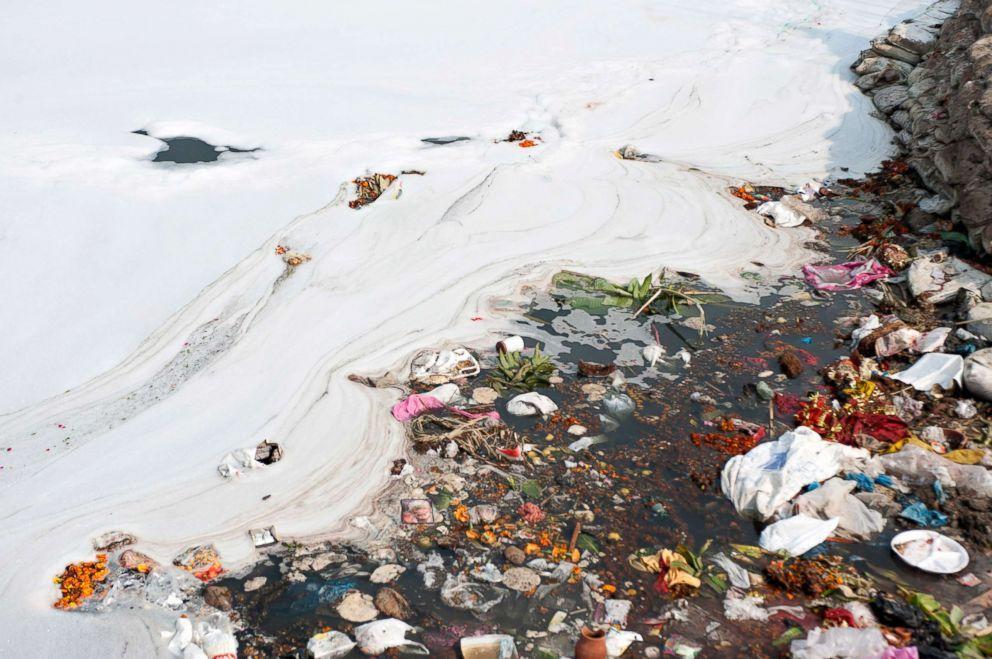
x: 966, y: 456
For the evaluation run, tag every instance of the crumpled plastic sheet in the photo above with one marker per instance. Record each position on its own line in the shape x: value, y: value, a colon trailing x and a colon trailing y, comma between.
x: 833, y: 500
x: 845, y: 276
x: 919, y: 513
x: 738, y: 576
x: 839, y: 642
x: 460, y: 593
x: 380, y: 635
x: 797, y: 534
x: 782, y: 215
x: 917, y: 466
x: 768, y: 476
x: 933, y: 368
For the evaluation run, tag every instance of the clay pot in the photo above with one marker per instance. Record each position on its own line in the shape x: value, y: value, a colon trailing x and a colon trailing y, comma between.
x: 591, y: 645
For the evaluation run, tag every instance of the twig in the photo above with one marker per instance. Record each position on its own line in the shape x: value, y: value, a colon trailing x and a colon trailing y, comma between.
x: 648, y: 303
x: 575, y: 536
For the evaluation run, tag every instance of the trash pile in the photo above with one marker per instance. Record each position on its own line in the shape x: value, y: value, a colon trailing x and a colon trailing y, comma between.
x: 371, y: 187
x: 522, y: 139
x: 652, y: 469
x: 810, y: 477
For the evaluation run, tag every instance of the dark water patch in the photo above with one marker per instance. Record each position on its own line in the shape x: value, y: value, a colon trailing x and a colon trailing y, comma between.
x: 189, y: 150
x: 443, y: 141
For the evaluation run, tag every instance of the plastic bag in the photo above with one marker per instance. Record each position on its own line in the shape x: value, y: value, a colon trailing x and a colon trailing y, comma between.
x: 933, y: 368
x: 782, y: 215
x: 460, y: 593
x: 917, y: 466
x: 845, y: 276
x: 488, y: 646
x: 618, y: 641
x: 329, y: 645
x: 377, y: 637
x: 797, y: 534
x: 834, y: 499
x: 771, y: 474
x: 738, y: 576
x: 841, y: 642
x: 437, y: 367
x: 531, y: 404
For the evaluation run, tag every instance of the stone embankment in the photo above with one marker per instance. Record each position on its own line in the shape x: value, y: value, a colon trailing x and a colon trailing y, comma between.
x: 932, y: 78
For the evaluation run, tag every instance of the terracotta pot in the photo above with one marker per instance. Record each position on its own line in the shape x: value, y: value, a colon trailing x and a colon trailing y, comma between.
x: 591, y: 645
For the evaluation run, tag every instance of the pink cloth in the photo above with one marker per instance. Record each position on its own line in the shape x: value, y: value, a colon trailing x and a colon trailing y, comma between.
x: 900, y: 653
x: 416, y: 404
x: 845, y: 276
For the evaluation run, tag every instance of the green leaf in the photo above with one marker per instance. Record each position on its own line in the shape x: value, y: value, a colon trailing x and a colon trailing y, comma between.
x: 442, y: 499
x: 532, y: 489
x: 789, y: 635
x: 749, y: 550
x: 587, y: 542
x: 717, y: 582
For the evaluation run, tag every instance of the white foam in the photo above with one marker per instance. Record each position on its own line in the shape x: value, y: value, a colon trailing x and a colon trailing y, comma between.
x: 100, y: 248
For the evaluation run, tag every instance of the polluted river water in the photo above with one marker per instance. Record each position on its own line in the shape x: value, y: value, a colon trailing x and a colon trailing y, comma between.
x: 164, y: 329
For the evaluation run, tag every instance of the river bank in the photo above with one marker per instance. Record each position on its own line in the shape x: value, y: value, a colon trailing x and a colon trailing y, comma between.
x: 478, y: 228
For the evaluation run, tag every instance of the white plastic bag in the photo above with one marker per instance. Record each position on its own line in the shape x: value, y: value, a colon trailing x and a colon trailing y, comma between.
x: 618, y: 641
x: 933, y: 368
x: 840, y: 642
x: 182, y: 636
x: 771, y: 474
x: 437, y: 367
x: 238, y: 461
x: 782, y: 215
x: 834, y: 499
x: 917, y: 466
x: 376, y: 637
x: 531, y: 404
x: 797, y: 534
x: 329, y: 645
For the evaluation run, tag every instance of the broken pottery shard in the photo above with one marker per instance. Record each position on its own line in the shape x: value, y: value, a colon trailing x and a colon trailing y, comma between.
x: 135, y: 560
x: 594, y: 369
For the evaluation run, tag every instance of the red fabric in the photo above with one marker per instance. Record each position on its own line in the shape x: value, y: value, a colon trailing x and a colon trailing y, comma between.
x: 840, y: 616
x: 787, y: 404
x: 883, y: 427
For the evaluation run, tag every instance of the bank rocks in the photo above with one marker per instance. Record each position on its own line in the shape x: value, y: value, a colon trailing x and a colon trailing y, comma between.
x: 931, y: 77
